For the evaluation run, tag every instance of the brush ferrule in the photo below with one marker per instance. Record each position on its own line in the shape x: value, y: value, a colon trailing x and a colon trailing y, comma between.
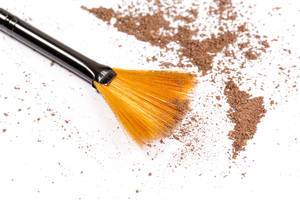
x: 105, y: 76
x: 56, y: 51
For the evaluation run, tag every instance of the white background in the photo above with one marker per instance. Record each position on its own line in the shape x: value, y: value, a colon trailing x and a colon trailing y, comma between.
x: 90, y: 157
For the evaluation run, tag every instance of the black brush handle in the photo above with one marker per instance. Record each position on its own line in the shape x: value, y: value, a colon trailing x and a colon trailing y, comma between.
x: 84, y: 67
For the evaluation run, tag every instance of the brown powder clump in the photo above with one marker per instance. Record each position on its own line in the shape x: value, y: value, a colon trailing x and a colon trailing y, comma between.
x: 224, y: 10
x: 201, y: 53
x: 222, y: 6
x: 245, y: 112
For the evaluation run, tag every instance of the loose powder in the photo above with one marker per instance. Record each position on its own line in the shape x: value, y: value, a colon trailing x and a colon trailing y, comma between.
x: 156, y: 30
x: 245, y: 113
x: 214, y: 38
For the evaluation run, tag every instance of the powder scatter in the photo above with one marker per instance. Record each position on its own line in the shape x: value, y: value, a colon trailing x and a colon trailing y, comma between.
x: 245, y: 113
x: 221, y: 43
x: 148, y: 28
x: 201, y: 53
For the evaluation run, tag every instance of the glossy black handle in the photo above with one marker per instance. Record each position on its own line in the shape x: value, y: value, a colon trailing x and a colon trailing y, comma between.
x: 84, y: 67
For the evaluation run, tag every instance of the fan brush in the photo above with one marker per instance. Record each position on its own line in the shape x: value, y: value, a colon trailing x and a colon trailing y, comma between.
x: 149, y: 104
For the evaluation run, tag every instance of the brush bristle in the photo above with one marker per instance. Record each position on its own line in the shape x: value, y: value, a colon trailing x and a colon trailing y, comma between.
x: 148, y: 103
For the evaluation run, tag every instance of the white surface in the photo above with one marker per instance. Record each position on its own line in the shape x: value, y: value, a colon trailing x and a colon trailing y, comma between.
x: 98, y: 161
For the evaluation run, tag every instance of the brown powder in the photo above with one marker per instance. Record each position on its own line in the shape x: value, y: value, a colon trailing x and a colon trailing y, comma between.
x: 155, y: 29
x: 145, y: 28
x: 102, y: 13
x: 200, y: 50
x: 151, y: 28
x: 245, y: 112
x: 201, y: 53
x: 251, y: 55
x: 265, y: 43
x: 193, y: 14
x: 224, y: 10
x: 243, y: 45
x: 242, y: 28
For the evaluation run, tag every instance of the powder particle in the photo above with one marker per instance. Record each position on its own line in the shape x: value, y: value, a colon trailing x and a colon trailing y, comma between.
x: 243, y: 45
x: 265, y: 43
x: 242, y: 28
x: 245, y: 112
x: 251, y: 55
x: 272, y: 102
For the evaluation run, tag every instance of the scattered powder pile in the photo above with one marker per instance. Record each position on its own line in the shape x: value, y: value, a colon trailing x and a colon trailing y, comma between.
x: 245, y: 112
x: 156, y: 30
x: 220, y: 47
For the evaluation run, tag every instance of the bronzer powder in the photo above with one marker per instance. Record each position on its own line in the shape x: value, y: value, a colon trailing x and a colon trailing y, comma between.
x: 220, y: 56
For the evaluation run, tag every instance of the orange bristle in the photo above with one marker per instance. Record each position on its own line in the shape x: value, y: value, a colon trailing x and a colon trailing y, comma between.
x: 148, y: 103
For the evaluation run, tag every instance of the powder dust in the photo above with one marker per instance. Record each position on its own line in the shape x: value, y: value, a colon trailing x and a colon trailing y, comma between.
x: 148, y: 28
x: 221, y: 49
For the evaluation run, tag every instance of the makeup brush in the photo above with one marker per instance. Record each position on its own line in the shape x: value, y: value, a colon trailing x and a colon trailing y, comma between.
x: 149, y: 104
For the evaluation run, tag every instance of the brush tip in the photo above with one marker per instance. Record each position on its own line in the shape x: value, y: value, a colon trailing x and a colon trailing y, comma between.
x: 149, y: 104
